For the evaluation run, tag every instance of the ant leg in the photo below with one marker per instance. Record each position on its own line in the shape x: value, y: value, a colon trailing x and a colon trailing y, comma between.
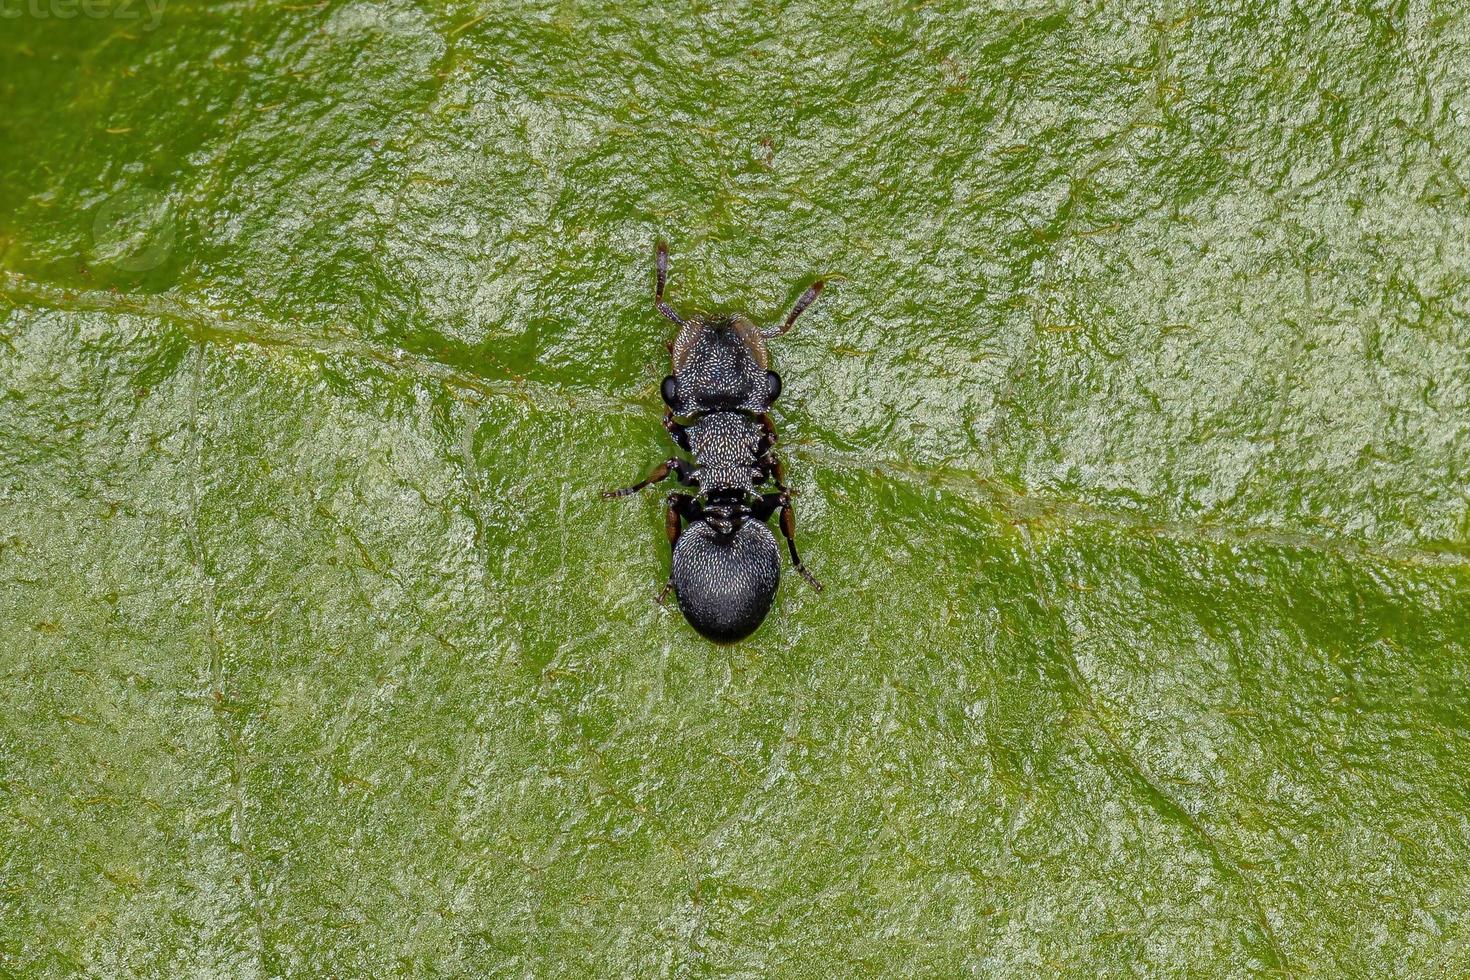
x: 770, y: 466
x: 788, y: 529
x: 661, y: 267
x: 676, y: 430
x: 807, y: 299
x: 680, y: 509
x: 768, y: 433
x: 681, y: 469
x: 770, y: 502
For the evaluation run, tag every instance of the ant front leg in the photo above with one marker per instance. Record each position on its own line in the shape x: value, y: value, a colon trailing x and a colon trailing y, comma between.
x: 769, y: 503
x: 768, y: 433
x: 676, y: 430
x: 680, y: 468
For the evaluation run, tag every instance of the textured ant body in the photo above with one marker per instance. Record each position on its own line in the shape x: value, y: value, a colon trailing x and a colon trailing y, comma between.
x: 726, y: 565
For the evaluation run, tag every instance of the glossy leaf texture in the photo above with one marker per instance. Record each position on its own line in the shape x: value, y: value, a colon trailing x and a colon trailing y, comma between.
x: 1130, y: 438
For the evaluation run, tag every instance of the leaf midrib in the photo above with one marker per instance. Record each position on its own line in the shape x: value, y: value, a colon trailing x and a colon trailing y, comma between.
x: 209, y: 325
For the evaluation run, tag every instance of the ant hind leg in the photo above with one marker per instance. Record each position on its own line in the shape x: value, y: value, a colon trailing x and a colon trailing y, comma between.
x: 769, y: 503
x: 681, y: 508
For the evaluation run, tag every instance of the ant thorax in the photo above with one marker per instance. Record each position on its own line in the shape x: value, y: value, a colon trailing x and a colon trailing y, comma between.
x: 727, y: 446
x: 725, y: 439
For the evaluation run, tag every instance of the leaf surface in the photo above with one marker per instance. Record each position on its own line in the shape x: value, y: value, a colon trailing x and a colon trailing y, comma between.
x: 1130, y: 439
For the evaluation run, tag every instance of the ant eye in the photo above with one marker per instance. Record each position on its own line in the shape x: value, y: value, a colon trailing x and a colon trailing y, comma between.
x: 671, y: 391
x: 774, y: 380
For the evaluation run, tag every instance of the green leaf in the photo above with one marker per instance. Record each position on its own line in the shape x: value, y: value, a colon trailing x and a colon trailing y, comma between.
x: 1130, y: 439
